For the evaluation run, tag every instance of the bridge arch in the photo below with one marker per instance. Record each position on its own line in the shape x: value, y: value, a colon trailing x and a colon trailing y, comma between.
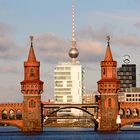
x: 18, y: 114
x: 128, y: 113
x: 84, y: 110
x: 4, y: 114
x: 11, y: 114
x: 135, y: 112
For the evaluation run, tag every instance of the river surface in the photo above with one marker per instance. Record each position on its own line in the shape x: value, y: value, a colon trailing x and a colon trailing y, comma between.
x: 12, y: 133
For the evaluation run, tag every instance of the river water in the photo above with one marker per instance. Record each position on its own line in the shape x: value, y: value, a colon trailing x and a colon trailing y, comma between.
x: 12, y: 133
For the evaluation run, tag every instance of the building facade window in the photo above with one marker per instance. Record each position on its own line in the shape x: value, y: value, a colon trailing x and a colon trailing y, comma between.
x: 32, y: 104
x: 32, y: 72
x: 109, y: 102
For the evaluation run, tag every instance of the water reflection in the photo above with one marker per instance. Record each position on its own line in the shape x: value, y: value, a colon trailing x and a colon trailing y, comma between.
x: 76, y: 133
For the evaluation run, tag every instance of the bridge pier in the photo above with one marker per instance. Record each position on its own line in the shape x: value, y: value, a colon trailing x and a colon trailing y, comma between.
x: 32, y: 129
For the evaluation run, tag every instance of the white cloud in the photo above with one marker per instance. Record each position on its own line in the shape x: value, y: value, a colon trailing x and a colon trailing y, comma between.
x: 124, y: 39
x: 137, y: 25
x: 90, y: 51
x: 5, y: 29
x: 88, y: 32
x: 51, y: 47
x: 9, y: 50
x: 128, y: 39
x: 8, y: 69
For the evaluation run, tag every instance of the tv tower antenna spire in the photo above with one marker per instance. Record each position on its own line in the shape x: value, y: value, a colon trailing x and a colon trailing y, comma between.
x: 73, y: 53
x: 73, y: 22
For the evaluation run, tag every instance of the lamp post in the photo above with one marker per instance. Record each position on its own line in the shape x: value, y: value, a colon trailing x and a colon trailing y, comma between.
x: 118, y: 121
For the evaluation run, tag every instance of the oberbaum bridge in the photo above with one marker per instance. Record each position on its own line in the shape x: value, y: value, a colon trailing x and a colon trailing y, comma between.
x: 28, y: 115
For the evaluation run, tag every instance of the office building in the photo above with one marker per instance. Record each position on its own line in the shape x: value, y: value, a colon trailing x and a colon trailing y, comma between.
x: 131, y: 95
x: 127, y: 76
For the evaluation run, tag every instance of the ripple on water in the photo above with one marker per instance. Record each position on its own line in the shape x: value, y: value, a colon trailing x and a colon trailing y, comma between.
x: 12, y: 133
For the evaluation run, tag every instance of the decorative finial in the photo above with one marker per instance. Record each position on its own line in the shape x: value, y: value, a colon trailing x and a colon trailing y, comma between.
x: 31, y: 39
x: 108, y: 40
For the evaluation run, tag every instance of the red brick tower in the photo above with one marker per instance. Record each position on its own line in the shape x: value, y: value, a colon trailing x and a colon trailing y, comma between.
x: 32, y: 88
x: 108, y: 87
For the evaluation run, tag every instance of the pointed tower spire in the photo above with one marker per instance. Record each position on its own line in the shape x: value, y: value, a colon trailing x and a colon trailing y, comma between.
x: 108, y: 55
x: 73, y: 53
x: 31, y: 56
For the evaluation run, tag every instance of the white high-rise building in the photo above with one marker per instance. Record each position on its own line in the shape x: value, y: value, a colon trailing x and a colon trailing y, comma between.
x: 69, y: 86
x: 68, y: 78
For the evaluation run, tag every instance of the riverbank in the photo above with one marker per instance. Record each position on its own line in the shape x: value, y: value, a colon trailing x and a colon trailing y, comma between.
x: 70, y: 124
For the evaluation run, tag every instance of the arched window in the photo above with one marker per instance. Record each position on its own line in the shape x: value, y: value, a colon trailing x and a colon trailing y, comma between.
x: 4, y: 114
x: 32, y: 104
x: 128, y: 113
x: 109, y: 102
x: 32, y: 72
x: 135, y: 112
x: 18, y: 114
x: 11, y: 114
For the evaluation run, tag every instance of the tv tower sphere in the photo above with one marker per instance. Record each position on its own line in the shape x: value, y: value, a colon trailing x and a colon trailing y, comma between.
x: 73, y: 53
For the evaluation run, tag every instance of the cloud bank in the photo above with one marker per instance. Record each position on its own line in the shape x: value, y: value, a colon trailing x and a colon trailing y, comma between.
x: 9, y: 50
x: 54, y: 49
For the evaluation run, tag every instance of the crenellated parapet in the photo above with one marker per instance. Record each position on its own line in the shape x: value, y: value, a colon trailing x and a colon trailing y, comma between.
x: 108, y: 86
x: 31, y: 87
x: 11, y: 105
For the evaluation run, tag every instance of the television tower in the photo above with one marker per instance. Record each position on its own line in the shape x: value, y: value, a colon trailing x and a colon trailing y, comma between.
x: 73, y: 52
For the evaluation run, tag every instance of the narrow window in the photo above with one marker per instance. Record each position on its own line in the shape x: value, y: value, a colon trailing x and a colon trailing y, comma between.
x: 103, y: 71
x: 109, y: 102
x: 32, y: 104
x: 32, y: 72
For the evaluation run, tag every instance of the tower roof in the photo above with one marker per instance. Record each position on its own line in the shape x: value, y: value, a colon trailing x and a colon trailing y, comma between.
x: 108, y: 55
x: 31, y: 56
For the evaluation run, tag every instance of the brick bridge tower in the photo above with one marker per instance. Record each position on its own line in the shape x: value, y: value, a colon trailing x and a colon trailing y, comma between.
x: 108, y: 87
x: 31, y: 88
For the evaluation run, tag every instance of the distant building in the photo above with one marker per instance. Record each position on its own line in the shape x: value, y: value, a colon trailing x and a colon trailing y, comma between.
x: 46, y: 111
x: 127, y: 76
x: 69, y: 88
x: 90, y: 98
x: 129, y: 99
x: 131, y: 95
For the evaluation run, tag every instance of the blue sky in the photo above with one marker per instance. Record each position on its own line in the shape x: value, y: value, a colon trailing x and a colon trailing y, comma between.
x: 50, y: 23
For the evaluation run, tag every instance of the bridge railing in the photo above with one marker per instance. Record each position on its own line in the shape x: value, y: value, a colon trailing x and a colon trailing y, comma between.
x: 69, y: 117
x: 129, y: 116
